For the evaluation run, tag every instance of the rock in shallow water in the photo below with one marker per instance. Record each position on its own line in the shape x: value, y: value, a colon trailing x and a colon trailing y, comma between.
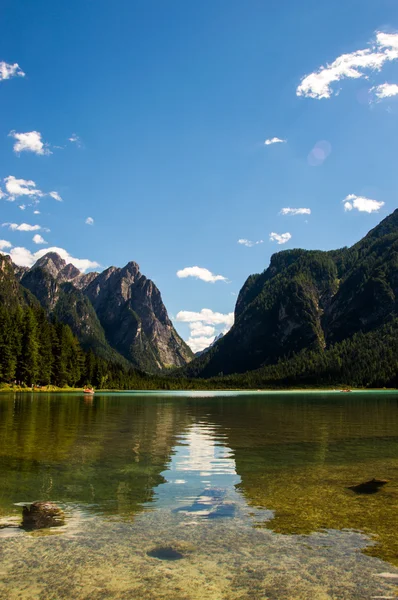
x: 40, y: 515
x: 368, y: 487
x: 173, y: 551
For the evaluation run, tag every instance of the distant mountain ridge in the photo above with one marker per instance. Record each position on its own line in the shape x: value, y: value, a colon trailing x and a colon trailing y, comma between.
x: 118, y: 313
x: 309, y: 300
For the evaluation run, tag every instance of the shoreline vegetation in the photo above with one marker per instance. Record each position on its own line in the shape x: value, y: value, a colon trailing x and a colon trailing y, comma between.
x: 4, y: 388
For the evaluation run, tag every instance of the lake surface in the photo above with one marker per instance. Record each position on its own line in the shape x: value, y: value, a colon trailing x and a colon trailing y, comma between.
x: 184, y: 496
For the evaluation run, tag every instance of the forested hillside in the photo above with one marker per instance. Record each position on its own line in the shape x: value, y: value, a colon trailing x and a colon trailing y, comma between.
x: 309, y: 300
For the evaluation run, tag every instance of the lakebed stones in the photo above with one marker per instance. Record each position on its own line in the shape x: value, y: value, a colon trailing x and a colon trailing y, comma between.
x: 369, y: 487
x: 41, y: 515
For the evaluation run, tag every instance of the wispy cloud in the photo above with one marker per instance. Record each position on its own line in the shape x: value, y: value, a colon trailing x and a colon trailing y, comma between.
x: 385, y: 90
x: 22, y: 227
x: 24, y: 258
x: 295, y: 211
x: 362, y: 204
x: 56, y: 196
x: 354, y: 65
x: 4, y: 245
x: 37, y: 239
x: 280, y: 238
x: 200, y: 273
x: 249, y: 243
x: 8, y: 71
x: 75, y: 139
x: 274, y: 140
x: 89, y: 221
x: 29, y: 142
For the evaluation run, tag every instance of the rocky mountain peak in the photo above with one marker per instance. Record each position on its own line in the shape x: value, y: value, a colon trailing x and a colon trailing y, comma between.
x: 50, y: 262
x: 131, y: 270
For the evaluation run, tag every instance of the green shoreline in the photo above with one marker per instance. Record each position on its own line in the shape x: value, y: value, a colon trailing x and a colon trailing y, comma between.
x: 71, y: 390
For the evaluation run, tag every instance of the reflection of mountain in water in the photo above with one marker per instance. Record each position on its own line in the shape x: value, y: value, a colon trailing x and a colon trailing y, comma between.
x: 297, y: 455
x: 206, y: 458
x: 107, y: 455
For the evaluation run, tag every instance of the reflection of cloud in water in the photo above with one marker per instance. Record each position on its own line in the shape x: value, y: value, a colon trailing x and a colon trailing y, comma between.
x: 203, y: 452
x: 201, y: 462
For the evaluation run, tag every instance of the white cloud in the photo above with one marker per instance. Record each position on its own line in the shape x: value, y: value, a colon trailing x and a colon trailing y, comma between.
x: 200, y: 329
x: 2, y: 194
x: 56, y: 196
x: 74, y: 139
x: 200, y: 273
x: 36, y: 212
x: 89, y: 221
x: 4, y: 244
x: 29, y: 142
x: 295, y: 211
x: 207, y: 316
x: 274, y: 140
x: 203, y: 325
x: 197, y: 344
x: 249, y: 243
x: 7, y: 71
x: 26, y: 187
x: 24, y: 258
x: 362, y: 204
x: 385, y: 90
x: 281, y: 238
x: 353, y: 65
x: 22, y: 206
x: 38, y: 239
x: 21, y: 187
x: 21, y: 227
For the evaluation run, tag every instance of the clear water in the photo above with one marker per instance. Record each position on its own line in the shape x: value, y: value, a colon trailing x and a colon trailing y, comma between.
x: 200, y: 495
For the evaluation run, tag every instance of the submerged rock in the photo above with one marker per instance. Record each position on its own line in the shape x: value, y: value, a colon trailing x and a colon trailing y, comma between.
x: 173, y: 551
x: 368, y: 487
x: 40, y: 515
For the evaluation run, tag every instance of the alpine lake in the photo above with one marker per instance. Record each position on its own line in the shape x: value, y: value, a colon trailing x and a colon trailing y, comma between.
x: 199, y: 495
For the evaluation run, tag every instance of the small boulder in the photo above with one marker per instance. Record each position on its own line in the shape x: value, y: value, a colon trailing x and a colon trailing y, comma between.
x: 174, y: 551
x: 41, y: 515
x: 368, y: 487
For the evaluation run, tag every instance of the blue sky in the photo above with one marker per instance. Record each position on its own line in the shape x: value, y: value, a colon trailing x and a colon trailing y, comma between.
x: 168, y: 106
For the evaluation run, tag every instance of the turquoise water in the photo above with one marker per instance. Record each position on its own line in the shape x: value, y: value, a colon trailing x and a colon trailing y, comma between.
x: 196, y: 495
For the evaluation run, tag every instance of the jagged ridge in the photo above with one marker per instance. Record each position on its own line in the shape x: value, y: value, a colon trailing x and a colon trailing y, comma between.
x: 118, y: 313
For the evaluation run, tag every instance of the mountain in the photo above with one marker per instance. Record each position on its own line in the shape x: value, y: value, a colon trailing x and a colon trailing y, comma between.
x: 309, y: 301
x: 119, y: 314
x: 135, y: 320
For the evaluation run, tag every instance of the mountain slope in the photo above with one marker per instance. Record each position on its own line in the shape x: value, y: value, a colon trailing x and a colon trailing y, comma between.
x: 309, y: 300
x: 119, y: 313
x: 135, y: 320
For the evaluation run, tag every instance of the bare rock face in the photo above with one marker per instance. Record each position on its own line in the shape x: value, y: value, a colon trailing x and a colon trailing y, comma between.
x: 118, y: 310
x: 135, y: 320
x: 41, y: 515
